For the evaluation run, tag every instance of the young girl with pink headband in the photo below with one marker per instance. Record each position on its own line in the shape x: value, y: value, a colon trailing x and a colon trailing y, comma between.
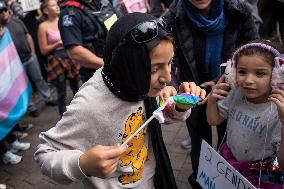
x: 253, y: 103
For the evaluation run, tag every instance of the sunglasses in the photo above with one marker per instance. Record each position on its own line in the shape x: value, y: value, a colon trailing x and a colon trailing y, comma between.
x: 3, y: 10
x: 147, y: 31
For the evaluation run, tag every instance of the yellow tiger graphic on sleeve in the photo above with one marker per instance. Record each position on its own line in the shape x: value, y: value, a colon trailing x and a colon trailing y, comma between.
x: 136, y: 153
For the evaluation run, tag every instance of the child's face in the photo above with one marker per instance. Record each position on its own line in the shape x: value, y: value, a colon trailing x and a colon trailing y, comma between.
x: 161, y: 59
x: 253, y: 77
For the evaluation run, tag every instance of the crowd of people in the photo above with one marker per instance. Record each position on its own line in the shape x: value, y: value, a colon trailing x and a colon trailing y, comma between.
x: 125, y: 60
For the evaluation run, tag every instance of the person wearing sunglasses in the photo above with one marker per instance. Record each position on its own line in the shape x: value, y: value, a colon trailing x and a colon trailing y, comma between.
x: 206, y: 32
x: 3, y: 10
x: 111, y: 106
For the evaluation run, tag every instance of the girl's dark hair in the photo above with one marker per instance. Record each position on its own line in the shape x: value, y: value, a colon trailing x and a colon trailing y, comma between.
x: 43, y: 5
x: 264, y: 53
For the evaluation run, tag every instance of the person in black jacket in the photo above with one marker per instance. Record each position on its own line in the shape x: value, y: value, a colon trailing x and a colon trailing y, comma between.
x: 206, y: 33
x: 83, y: 35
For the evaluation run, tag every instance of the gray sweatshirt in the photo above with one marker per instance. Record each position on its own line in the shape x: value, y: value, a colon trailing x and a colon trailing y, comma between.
x: 97, y: 117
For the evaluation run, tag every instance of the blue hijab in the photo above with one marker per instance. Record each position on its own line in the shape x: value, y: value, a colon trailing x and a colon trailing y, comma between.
x: 213, y: 27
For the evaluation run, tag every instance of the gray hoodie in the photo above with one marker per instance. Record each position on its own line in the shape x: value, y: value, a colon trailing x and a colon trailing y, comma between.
x: 97, y: 117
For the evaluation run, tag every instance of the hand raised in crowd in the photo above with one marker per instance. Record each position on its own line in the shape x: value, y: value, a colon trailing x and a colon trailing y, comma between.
x: 101, y: 161
x: 277, y: 96
x: 219, y: 91
x: 192, y: 88
x: 185, y: 87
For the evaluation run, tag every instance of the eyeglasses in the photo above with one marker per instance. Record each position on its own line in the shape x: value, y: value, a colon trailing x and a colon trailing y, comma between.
x: 148, y: 30
x: 3, y: 10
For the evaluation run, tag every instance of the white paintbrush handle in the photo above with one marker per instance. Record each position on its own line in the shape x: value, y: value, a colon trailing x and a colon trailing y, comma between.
x: 150, y: 119
x: 138, y: 130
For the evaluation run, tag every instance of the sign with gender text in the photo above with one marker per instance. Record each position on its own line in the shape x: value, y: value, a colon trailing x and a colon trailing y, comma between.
x: 29, y: 5
x: 214, y: 172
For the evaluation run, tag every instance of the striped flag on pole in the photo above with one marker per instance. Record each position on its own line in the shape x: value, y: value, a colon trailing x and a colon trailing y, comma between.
x: 15, y: 89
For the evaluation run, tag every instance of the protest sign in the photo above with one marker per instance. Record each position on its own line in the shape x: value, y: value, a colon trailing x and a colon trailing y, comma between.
x: 214, y: 172
x: 29, y: 5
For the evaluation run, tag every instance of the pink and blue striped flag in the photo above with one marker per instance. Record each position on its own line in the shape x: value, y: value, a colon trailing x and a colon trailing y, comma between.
x: 15, y: 89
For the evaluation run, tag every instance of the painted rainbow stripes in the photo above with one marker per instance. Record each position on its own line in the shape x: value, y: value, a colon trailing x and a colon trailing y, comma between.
x: 15, y: 90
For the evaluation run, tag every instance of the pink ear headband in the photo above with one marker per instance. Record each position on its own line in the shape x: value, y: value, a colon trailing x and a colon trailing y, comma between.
x: 277, y: 81
x: 257, y: 45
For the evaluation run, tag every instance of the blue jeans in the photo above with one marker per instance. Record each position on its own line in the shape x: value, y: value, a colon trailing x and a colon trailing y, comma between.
x: 60, y: 84
x: 33, y: 71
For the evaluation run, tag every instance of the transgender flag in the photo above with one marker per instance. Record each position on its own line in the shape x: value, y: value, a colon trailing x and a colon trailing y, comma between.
x: 15, y: 90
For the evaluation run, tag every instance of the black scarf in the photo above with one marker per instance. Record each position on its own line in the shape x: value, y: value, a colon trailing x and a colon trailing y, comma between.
x: 127, y: 74
x: 164, y: 177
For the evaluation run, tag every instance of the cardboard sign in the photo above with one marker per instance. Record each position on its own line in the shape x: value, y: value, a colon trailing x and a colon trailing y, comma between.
x: 214, y: 172
x: 29, y: 5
